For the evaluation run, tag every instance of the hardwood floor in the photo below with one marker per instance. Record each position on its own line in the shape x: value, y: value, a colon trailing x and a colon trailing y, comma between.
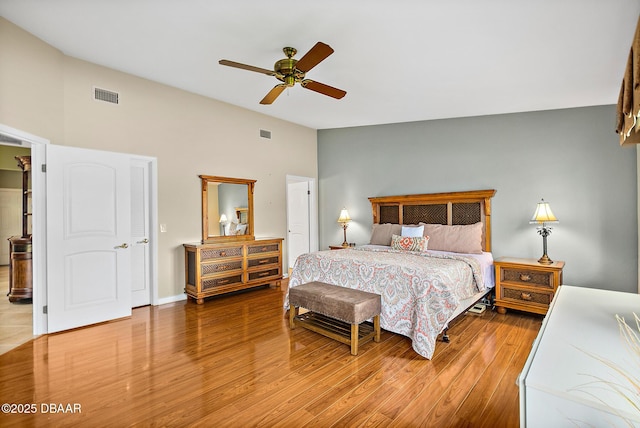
x: 234, y: 362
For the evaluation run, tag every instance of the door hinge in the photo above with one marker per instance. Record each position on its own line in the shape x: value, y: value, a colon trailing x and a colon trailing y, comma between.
x: 44, y: 167
x: 45, y: 309
x: 308, y: 192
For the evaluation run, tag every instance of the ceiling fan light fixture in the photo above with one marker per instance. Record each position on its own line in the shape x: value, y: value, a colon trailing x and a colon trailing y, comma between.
x: 291, y: 71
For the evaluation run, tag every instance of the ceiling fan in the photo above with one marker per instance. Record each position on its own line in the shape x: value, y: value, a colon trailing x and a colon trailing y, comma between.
x: 291, y: 71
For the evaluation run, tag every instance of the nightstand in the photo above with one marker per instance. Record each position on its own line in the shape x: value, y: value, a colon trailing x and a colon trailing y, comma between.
x: 525, y: 284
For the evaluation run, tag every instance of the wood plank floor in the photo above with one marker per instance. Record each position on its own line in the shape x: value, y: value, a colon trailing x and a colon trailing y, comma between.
x: 234, y: 362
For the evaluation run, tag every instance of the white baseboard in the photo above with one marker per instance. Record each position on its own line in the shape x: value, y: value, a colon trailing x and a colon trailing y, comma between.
x: 172, y: 299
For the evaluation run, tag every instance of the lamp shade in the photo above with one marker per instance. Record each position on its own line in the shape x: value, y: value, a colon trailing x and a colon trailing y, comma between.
x: 543, y: 214
x: 344, y: 216
x: 223, y: 218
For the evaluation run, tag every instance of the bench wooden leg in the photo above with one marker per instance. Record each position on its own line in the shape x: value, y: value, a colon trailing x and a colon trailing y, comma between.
x: 354, y: 339
x: 376, y: 328
x: 293, y: 311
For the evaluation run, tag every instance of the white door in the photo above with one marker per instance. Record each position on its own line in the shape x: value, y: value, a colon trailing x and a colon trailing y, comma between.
x: 140, y: 247
x: 298, y: 218
x: 10, y: 220
x: 88, y: 236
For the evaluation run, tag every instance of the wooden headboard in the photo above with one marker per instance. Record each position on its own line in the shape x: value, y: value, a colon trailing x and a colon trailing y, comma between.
x: 451, y: 208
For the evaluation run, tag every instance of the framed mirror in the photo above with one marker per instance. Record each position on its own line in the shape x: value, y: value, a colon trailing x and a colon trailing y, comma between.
x: 227, y: 208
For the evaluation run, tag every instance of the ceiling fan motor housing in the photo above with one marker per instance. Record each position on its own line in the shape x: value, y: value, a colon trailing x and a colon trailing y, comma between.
x: 286, y: 71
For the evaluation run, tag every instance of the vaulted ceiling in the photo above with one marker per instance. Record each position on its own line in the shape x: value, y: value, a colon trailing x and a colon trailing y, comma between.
x: 399, y: 61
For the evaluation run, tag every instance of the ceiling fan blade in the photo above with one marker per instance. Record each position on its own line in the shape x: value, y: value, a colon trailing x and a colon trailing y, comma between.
x: 246, y: 67
x: 323, y: 89
x: 318, y: 53
x: 273, y: 94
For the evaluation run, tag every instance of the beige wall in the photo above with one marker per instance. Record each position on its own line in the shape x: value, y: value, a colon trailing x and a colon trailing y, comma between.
x: 188, y: 133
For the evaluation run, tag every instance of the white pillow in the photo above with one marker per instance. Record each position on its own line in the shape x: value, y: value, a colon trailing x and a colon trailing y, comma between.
x: 412, y: 231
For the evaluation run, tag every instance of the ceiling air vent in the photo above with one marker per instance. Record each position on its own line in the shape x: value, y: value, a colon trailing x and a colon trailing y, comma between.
x: 105, y: 95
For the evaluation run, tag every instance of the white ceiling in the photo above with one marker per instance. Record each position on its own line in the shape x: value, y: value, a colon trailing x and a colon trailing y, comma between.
x: 399, y: 61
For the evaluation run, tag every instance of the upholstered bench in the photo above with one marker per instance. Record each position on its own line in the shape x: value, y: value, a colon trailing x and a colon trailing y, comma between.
x: 336, y: 312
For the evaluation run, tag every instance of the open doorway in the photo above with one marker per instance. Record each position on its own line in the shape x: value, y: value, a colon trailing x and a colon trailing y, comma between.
x: 16, y: 312
x: 44, y: 244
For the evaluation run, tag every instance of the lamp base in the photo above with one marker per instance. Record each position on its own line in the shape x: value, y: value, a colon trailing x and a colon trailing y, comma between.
x: 345, y: 243
x: 545, y: 260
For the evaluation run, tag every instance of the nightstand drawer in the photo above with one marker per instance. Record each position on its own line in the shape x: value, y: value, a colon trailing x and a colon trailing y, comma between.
x: 524, y: 295
x: 526, y: 276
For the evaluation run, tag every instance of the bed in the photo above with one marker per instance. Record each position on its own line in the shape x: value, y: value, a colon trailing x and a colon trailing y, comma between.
x: 422, y: 290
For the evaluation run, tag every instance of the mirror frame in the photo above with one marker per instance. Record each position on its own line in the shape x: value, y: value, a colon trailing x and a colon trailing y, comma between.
x: 205, y: 180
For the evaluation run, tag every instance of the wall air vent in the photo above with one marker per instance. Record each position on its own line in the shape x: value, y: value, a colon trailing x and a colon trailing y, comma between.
x: 265, y: 134
x: 105, y: 95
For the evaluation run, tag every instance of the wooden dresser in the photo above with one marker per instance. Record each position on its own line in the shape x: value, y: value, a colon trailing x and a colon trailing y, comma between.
x: 525, y: 284
x: 217, y: 268
x: 568, y: 379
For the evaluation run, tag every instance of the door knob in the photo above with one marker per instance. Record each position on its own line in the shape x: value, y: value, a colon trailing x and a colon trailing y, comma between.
x: 144, y: 241
x: 125, y: 245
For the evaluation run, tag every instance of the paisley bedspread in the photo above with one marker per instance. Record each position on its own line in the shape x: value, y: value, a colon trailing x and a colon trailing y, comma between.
x: 419, y: 290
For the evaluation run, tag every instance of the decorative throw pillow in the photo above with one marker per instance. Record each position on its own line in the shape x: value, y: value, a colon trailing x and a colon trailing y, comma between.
x: 409, y: 243
x: 412, y: 231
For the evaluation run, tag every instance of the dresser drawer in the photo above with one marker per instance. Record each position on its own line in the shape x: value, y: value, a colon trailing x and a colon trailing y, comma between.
x: 209, y: 283
x: 524, y: 276
x: 263, y: 261
x: 524, y: 295
x: 264, y: 248
x: 216, y: 253
x: 263, y: 274
x: 220, y: 266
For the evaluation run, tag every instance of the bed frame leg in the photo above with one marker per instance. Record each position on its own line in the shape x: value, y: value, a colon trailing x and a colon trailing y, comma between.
x: 445, y: 336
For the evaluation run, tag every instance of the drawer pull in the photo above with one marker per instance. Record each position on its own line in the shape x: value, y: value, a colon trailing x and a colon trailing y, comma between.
x: 525, y: 277
x: 525, y: 296
x: 264, y: 249
x: 263, y: 261
x: 264, y: 274
x: 223, y: 253
x: 223, y: 281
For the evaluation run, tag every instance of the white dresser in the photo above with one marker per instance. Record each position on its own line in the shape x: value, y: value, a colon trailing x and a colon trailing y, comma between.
x: 557, y: 384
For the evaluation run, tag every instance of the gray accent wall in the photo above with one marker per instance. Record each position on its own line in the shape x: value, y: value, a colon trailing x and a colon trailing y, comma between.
x: 569, y: 157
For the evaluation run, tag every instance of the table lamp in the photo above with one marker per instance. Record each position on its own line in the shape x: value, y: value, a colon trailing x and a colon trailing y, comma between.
x: 542, y: 216
x: 344, y: 219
